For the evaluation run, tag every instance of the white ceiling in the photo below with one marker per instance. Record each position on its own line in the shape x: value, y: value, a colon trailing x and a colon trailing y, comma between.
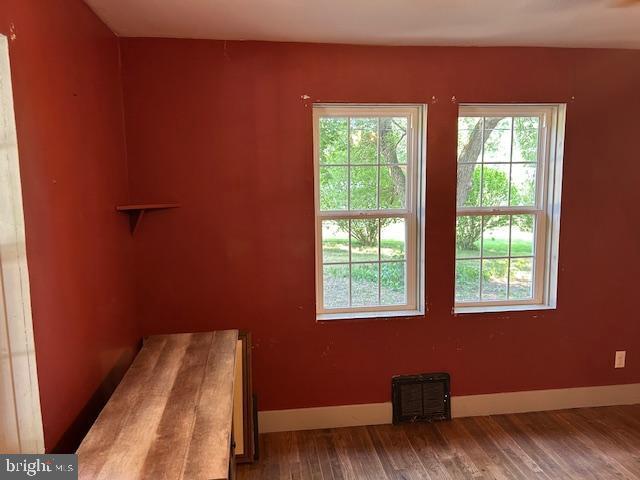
x: 558, y: 23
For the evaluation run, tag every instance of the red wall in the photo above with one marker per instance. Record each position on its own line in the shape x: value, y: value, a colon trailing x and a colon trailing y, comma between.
x: 221, y: 128
x: 68, y: 103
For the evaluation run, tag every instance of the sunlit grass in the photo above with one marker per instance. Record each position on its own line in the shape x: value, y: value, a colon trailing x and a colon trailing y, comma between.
x: 335, y: 250
x: 498, y: 248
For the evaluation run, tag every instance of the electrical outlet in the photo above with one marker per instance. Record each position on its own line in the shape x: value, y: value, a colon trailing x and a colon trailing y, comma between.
x: 620, y: 359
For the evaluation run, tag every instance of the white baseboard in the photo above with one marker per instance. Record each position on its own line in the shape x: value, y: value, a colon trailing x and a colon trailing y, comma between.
x: 324, y: 417
x: 462, y: 406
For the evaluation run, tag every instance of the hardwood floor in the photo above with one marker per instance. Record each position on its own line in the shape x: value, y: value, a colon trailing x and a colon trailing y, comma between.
x: 589, y: 443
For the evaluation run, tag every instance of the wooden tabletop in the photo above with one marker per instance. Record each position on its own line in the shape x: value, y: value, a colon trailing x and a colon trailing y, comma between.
x: 170, y: 417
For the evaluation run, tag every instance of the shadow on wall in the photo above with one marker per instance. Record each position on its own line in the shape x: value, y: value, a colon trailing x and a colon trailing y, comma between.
x: 71, y: 439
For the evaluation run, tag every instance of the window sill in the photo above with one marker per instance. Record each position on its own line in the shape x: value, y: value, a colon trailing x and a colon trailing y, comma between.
x: 501, y: 308
x: 323, y: 317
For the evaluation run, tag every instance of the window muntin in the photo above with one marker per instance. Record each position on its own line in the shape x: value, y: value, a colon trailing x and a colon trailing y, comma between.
x: 508, y: 200
x: 367, y: 209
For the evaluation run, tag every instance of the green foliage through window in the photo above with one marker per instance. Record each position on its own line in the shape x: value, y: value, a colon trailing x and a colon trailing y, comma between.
x: 497, y: 167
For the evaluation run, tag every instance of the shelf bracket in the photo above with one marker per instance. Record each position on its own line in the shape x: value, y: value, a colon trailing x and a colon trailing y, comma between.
x: 136, y: 212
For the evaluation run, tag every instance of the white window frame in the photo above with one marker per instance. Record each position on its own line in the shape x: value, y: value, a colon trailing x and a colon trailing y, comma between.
x: 413, y: 213
x: 547, y: 208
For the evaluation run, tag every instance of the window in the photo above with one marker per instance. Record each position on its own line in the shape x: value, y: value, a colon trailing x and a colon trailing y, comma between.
x: 369, y: 209
x: 508, y: 206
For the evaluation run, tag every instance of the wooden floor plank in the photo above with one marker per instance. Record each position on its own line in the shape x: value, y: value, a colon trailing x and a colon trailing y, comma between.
x: 593, y: 443
x: 454, y: 442
x: 551, y: 443
x: 366, y: 463
x: 495, y: 462
x: 309, y: 456
x: 517, y: 432
x: 396, y: 455
x: 502, y: 443
x: 421, y: 439
x: 470, y: 441
x: 588, y: 467
x: 444, y: 455
x: 613, y: 458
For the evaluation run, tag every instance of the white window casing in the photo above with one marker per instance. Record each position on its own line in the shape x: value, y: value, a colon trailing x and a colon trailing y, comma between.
x: 546, y: 209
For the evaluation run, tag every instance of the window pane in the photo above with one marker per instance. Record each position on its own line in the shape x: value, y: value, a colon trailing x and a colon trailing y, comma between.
x: 364, y: 240
x: 525, y: 139
x: 495, y: 236
x: 495, y: 185
x: 393, y: 179
x: 333, y: 188
x: 521, y: 278
x: 469, y: 178
x: 469, y: 123
x: 364, y: 188
x: 469, y: 139
x: 393, y: 238
x: 393, y: 140
x: 364, y: 284
x: 336, y: 286
x: 522, y: 235
x: 467, y: 280
x: 364, y: 140
x: 392, y: 283
x: 494, y: 279
x: 333, y: 140
x: 497, y: 123
x: 523, y: 184
x: 497, y: 141
x: 468, y: 233
x: 335, y: 241
x: 366, y: 166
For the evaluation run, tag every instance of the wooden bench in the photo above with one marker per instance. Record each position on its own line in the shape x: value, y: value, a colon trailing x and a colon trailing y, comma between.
x: 171, y: 416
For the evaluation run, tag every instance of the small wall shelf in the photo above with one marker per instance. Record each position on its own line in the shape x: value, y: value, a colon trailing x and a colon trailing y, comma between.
x: 137, y: 211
